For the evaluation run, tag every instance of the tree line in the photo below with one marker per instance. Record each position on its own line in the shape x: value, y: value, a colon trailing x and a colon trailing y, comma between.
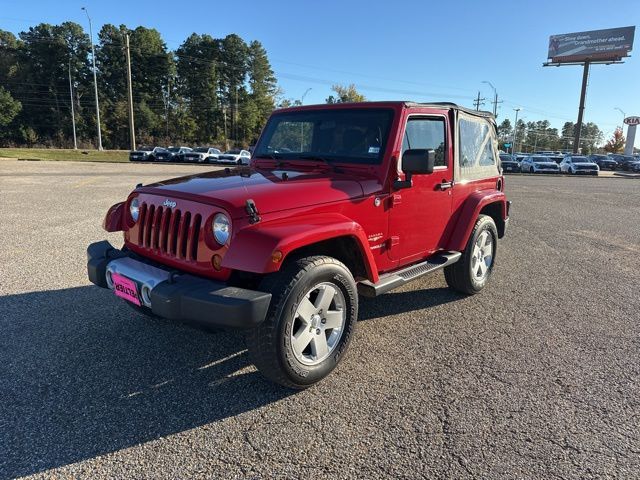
x: 208, y: 91
x: 539, y: 135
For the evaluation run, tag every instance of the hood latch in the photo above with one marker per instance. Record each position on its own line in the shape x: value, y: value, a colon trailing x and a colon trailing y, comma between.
x: 252, y: 211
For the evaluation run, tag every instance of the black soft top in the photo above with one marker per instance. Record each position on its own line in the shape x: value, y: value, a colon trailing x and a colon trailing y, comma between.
x: 454, y: 106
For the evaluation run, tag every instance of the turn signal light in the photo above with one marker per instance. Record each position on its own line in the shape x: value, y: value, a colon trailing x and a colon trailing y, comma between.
x: 276, y: 256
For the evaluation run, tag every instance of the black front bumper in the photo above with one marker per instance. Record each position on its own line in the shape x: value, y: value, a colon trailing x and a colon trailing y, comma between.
x: 184, y: 297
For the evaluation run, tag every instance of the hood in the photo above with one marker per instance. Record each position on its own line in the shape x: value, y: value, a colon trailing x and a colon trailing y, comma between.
x: 546, y: 164
x: 271, y: 190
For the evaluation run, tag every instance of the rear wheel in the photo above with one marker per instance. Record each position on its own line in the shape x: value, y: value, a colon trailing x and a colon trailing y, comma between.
x: 470, y: 274
x: 309, y: 324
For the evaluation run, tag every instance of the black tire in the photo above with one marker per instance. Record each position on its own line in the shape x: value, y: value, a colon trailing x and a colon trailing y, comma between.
x: 531, y: 170
x: 458, y: 275
x: 269, y: 344
x: 239, y: 161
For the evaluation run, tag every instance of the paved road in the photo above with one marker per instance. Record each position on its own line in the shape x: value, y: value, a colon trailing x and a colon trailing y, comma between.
x: 537, y: 377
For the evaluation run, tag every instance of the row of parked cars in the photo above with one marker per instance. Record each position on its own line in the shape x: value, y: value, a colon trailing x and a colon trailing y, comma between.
x: 190, y: 155
x: 573, y: 164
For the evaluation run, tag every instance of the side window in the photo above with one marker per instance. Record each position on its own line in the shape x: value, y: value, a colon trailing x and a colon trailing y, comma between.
x: 476, y: 147
x: 426, y: 133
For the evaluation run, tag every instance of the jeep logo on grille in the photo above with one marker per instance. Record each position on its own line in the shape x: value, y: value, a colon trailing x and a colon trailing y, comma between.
x: 169, y: 203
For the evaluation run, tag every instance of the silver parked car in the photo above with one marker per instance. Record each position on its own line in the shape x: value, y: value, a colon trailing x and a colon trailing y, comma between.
x: 539, y: 164
x: 202, y: 155
x: 578, y: 164
x: 237, y: 156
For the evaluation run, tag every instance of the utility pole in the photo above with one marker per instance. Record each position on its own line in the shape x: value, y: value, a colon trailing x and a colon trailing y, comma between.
x: 515, y: 131
x: 132, y: 130
x: 73, y: 115
x: 226, y: 140
x: 166, y: 107
x: 235, y: 118
x: 478, y: 101
x: 95, y: 80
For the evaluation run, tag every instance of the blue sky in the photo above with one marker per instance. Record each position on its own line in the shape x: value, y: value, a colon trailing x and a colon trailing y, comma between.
x: 418, y: 50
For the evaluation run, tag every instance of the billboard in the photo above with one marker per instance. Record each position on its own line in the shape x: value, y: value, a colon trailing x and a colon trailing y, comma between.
x: 610, y: 44
x: 632, y: 120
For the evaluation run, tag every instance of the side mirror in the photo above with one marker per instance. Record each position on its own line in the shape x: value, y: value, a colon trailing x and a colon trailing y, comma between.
x: 416, y: 161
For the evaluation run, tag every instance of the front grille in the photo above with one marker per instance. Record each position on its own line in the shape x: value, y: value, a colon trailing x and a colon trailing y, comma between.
x: 171, y: 232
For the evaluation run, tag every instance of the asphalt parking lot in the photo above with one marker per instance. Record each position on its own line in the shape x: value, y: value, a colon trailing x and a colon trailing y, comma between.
x: 537, y: 377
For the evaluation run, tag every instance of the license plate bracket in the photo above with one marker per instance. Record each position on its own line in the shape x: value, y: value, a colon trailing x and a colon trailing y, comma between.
x: 126, y: 288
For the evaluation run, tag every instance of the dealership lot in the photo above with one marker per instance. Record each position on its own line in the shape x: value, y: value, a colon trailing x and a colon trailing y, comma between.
x: 537, y: 377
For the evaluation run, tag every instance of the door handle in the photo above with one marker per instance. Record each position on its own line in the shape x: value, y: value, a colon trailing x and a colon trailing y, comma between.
x: 445, y: 185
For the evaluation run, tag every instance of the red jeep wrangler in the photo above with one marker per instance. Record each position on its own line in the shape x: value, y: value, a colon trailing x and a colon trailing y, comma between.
x: 338, y: 200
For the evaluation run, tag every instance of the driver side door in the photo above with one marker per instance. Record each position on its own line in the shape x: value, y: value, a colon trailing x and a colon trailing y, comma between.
x: 421, y: 213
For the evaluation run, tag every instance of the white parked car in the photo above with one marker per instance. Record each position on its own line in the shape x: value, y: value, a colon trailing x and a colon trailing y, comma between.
x: 539, y: 164
x: 578, y: 164
x: 239, y: 157
x: 202, y: 155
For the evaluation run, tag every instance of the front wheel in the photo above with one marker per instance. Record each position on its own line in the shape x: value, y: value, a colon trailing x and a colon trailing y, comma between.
x: 531, y: 170
x: 471, y: 273
x: 309, y: 324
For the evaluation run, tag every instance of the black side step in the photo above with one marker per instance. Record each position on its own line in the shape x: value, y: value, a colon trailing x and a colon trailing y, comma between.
x: 396, y: 279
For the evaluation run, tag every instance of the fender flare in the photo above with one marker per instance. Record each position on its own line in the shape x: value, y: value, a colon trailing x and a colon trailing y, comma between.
x: 251, y: 249
x: 113, y: 220
x: 469, y: 212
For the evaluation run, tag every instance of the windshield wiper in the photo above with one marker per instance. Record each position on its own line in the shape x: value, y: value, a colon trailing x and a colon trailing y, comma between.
x: 318, y: 158
x: 271, y: 156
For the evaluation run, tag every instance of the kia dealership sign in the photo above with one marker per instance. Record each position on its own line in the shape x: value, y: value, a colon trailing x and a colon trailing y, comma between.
x: 632, y: 120
x: 610, y: 44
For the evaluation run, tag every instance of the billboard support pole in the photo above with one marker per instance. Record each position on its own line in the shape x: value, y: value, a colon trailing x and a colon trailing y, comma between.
x: 583, y: 94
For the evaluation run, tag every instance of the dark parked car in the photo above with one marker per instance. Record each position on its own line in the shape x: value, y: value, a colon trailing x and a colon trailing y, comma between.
x: 578, y: 165
x: 172, y: 154
x: 148, y: 154
x: 605, y: 162
x: 141, y: 154
x: 624, y: 161
x: 509, y: 163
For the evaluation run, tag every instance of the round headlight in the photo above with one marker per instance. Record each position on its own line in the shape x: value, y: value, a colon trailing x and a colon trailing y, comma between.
x: 221, y: 228
x: 134, y: 209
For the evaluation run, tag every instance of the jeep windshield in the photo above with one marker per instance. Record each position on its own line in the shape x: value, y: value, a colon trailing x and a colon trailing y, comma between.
x: 329, y: 135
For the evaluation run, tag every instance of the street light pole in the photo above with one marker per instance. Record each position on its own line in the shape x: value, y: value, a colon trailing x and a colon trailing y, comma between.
x: 302, y: 123
x: 95, y: 79
x: 495, y: 97
x: 624, y: 115
x: 304, y: 95
x: 515, y: 131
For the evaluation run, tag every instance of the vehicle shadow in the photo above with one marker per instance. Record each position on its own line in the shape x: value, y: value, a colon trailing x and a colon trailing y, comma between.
x: 82, y: 375
x: 398, y: 302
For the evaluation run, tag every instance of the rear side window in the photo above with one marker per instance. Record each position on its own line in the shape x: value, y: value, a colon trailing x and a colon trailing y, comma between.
x: 426, y: 133
x: 477, y: 152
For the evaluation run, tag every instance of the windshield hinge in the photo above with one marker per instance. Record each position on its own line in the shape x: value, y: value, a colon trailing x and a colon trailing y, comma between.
x: 252, y: 211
